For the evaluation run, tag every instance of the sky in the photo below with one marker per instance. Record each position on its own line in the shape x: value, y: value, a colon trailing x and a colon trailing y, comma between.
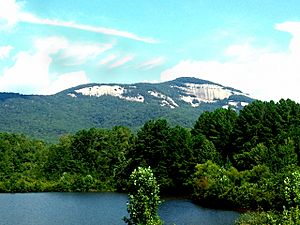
x: 250, y: 45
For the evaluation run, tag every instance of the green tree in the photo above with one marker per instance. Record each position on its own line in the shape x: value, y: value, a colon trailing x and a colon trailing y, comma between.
x: 152, y: 150
x: 292, y: 189
x: 282, y: 156
x: 267, y: 123
x: 165, y: 149
x: 143, y: 198
x: 257, y: 123
x: 180, y: 164
x: 256, y: 156
x: 204, y: 150
x: 212, y: 184
x: 217, y: 127
x: 100, y: 153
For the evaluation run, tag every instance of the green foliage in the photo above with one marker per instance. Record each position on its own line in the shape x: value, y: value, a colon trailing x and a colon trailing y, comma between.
x: 256, y: 156
x: 214, y: 184
x: 267, y: 123
x: 283, y: 155
x: 20, y: 162
x: 230, y: 188
x: 74, y: 182
x: 166, y: 150
x: 143, y: 198
x: 248, y: 160
x: 291, y: 216
x: 99, y: 153
x: 258, y: 218
x: 204, y: 150
x: 292, y: 189
x: 217, y: 126
x: 287, y: 217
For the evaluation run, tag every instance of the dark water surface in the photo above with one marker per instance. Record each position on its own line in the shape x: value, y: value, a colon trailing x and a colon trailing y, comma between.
x: 98, y: 209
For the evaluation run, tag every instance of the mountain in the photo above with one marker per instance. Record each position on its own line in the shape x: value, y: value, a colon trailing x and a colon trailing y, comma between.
x: 180, y: 101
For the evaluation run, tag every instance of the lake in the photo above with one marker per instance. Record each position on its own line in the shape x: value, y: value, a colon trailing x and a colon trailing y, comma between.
x: 98, y: 209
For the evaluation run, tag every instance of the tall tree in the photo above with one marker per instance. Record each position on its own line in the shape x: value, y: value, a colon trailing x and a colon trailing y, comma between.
x: 143, y: 198
x: 166, y: 149
x: 204, y: 150
x: 152, y: 149
x: 217, y: 127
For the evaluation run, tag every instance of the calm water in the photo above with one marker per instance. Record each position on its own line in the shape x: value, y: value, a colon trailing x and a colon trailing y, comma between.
x: 97, y: 209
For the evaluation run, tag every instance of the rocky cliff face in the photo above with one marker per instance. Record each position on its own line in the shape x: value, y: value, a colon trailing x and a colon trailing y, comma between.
x: 112, y: 90
x: 209, y: 93
x: 173, y: 94
x: 206, y: 92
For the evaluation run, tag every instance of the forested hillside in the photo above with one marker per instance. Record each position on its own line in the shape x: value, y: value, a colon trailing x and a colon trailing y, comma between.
x: 107, y: 105
x: 246, y: 160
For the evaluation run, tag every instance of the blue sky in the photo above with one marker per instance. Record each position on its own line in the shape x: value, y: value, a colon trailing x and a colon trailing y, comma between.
x: 251, y: 45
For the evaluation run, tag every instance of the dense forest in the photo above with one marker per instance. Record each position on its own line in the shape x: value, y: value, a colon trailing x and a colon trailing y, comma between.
x: 246, y: 161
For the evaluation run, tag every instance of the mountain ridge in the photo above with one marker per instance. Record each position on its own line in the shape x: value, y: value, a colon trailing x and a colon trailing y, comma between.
x: 189, y: 90
x: 180, y: 101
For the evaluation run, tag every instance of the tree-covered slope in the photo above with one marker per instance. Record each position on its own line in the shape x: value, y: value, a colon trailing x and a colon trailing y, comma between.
x: 107, y: 105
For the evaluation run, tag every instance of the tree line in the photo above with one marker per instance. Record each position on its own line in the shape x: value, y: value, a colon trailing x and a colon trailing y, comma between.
x: 245, y: 160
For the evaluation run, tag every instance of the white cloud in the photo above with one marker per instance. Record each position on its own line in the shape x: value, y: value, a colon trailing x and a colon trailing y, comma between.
x: 122, y: 61
x: 152, y: 63
x: 82, y: 52
x: 74, y: 53
x: 108, y: 59
x: 30, y: 73
x: 263, y: 73
x: 67, y: 80
x: 243, y: 52
x: 11, y: 13
x: 51, y: 45
x: 294, y: 29
x: 30, y: 18
x: 5, y: 51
